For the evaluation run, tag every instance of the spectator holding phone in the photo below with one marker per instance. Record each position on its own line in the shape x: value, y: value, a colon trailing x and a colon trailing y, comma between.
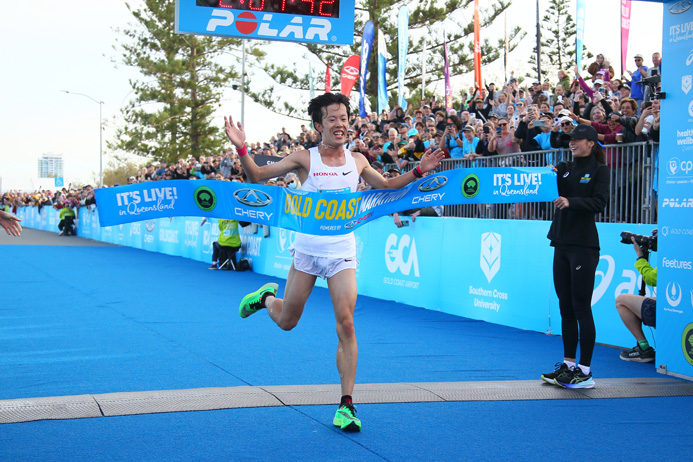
x: 528, y: 128
x: 451, y: 135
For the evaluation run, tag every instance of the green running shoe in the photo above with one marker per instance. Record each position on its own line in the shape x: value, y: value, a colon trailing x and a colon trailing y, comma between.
x: 252, y: 302
x: 345, y: 418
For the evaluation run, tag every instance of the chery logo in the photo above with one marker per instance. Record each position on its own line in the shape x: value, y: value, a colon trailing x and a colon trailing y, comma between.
x: 680, y: 7
x: 253, y: 197
x: 352, y: 71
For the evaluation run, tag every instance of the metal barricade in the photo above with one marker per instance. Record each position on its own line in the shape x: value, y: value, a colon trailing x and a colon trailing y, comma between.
x: 632, y: 197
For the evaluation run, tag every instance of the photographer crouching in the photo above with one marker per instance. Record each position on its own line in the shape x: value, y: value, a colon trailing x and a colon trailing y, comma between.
x: 636, y: 310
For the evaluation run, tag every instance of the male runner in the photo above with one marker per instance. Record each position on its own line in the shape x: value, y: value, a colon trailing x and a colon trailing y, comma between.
x: 329, y: 167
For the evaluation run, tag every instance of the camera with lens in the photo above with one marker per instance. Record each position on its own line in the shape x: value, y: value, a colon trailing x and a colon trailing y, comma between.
x: 645, y: 242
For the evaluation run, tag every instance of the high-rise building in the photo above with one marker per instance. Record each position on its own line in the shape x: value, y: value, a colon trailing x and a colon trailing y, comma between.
x: 50, y: 166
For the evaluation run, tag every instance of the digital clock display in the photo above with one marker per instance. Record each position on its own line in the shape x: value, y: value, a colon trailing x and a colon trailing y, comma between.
x: 326, y: 22
x: 316, y: 8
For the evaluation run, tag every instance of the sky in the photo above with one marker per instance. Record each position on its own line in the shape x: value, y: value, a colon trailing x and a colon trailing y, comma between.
x: 72, y: 45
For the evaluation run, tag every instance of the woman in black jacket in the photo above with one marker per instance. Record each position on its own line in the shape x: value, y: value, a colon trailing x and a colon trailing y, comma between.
x: 583, y: 189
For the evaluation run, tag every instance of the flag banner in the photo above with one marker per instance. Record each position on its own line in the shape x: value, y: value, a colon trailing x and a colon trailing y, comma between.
x: 310, y: 79
x: 625, y: 30
x: 477, y: 47
x: 328, y: 79
x: 320, y: 213
x: 350, y: 74
x: 402, y: 50
x: 446, y: 74
x: 505, y: 58
x: 580, y: 32
x: 366, y: 47
x: 382, y: 72
x: 424, y: 57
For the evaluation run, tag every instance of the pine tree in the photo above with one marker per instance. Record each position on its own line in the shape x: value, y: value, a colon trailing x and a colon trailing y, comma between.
x: 558, y: 34
x: 426, y: 18
x: 170, y: 115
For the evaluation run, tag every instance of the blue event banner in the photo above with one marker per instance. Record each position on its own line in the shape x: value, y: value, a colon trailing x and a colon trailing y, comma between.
x: 320, y: 213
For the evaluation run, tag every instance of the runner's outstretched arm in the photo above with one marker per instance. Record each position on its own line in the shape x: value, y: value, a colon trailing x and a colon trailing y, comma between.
x: 236, y: 134
x: 429, y: 161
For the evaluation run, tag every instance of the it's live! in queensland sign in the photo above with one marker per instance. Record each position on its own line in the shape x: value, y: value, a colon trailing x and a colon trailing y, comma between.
x: 329, y: 22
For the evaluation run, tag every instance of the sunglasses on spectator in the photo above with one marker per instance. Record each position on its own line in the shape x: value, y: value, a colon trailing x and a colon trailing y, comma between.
x: 502, y: 125
x: 566, y: 124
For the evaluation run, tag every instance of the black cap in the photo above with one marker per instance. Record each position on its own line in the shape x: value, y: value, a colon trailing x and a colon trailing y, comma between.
x: 584, y: 132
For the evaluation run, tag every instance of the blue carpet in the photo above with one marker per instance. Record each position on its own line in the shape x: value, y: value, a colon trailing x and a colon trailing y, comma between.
x: 110, y: 319
x: 526, y: 430
x: 77, y: 320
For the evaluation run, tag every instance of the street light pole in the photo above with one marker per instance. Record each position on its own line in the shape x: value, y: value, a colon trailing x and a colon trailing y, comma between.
x: 100, y: 103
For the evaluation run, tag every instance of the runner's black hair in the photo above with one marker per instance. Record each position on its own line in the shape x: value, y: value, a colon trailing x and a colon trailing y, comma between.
x: 318, y: 105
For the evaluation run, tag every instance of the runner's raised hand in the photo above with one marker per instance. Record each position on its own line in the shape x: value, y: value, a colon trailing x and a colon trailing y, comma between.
x: 235, y: 134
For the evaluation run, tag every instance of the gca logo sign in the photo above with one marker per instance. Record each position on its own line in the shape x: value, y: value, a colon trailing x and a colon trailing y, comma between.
x: 401, y: 256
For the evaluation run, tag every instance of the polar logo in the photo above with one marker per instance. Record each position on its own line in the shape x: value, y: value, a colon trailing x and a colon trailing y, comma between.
x: 606, y: 278
x: 286, y: 239
x: 690, y: 109
x: 673, y: 294
x: 247, y: 23
x: 490, y: 254
x: 395, y: 258
x: 689, y: 60
x: 222, y: 19
x: 686, y: 81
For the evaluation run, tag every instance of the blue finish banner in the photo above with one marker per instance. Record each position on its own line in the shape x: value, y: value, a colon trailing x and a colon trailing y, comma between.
x: 315, y: 213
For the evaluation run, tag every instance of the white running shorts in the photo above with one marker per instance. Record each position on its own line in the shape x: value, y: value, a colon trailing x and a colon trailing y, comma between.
x: 323, y: 267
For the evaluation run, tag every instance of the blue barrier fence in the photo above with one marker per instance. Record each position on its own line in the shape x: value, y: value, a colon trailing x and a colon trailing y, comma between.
x: 498, y: 271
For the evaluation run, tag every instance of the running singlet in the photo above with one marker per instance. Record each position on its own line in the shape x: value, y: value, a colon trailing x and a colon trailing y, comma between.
x: 322, y: 178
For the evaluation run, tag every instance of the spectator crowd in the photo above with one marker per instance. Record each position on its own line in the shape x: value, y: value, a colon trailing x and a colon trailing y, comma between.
x: 513, y: 118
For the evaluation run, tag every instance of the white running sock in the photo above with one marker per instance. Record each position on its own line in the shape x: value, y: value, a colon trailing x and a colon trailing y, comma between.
x: 585, y: 369
x: 571, y: 365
